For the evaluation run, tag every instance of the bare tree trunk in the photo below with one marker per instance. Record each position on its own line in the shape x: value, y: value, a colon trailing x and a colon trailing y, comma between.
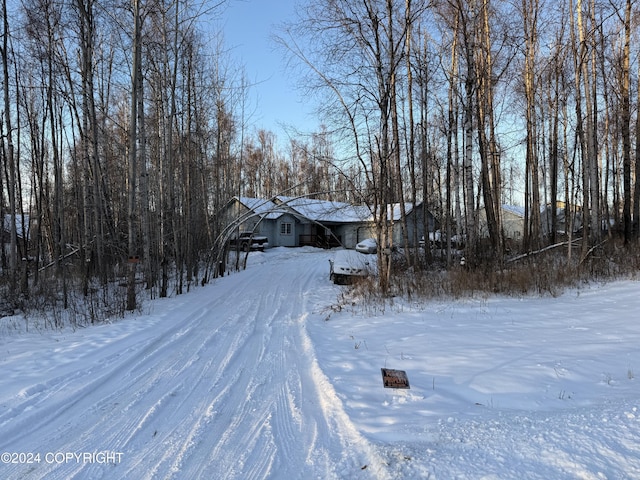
x: 604, y: 200
x: 145, y: 216
x: 470, y: 84
x: 58, y: 220
x: 554, y: 153
x: 398, y: 190
x: 625, y: 126
x: 590, y: 167
x: 452, y: 146
x: 489, y: 151
x: 8, y: 154
x: 636, y: 187
x: 422, y: 78
x: 530, y: 15
x: 411, y: 152
x: 578, y: 56
x: 136, y: 82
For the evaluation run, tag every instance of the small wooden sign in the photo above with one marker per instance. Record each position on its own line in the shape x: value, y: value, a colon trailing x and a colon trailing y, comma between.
x: 394, y: 378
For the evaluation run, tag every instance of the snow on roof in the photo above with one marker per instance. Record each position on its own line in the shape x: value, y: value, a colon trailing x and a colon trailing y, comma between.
x: 395, y: 212
x: 265, y: 208
x: 326, y: 211
x: 258, y: 205
x: 318, y: 210
x: 518, y: 211
x: 22, y: 228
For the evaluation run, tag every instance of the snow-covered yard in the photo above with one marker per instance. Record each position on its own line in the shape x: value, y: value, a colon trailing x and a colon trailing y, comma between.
x: 270, y: 373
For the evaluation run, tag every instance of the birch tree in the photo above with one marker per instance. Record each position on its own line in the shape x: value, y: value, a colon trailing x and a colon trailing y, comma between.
x: 530, y: 15
x: 625, y: 98
x: 136, y: 85
x: 8, y: 150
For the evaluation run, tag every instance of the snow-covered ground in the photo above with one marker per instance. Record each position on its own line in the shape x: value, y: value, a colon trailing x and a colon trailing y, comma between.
x: 273, y: 373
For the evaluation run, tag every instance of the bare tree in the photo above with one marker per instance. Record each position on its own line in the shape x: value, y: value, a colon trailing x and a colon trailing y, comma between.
x: 488, y: 143
x: 8, y: 151
x: 373, y: 35
x: 587, y: 132
x: 136, y: 85
x: 43, y: 27
x: 468, y: 17
x: 530, y: 15
x: 625, y: 98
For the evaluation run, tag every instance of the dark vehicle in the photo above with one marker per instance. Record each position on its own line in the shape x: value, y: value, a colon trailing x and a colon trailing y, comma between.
x: 247, y: 241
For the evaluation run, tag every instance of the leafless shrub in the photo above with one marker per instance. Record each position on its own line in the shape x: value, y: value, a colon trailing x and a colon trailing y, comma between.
x: 549, y: 272
x: 53, y: 306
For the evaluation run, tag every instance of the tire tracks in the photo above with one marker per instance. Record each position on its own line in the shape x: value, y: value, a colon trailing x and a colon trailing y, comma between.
x: 226, y: 385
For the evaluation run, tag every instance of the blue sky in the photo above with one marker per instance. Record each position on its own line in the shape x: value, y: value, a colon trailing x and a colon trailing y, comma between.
x: 248, y: 25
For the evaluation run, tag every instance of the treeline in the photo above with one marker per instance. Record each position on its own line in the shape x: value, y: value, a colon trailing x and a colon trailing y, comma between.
x: 124, y: 131
x: 471, y: 104
x: 126, y: 128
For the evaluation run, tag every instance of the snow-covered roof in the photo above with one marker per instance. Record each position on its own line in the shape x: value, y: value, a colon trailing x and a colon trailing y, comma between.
x: 514, y: 209
x: 395, y: 212
x: 325, y: 211
x: 22, y: 228
x: 265, y: 208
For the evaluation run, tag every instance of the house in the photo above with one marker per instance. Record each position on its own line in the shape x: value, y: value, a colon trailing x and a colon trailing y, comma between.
x: 323, y: 223
x: 23, y: 227
x: 512, y: 222
x: 299, y: 221
x: 561, y: 211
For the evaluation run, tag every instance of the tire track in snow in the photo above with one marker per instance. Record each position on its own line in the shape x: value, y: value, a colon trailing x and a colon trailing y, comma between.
x: 222, y: 350
x: 240, y: 368
x: 226, y: 386
x: 128, y: 385
x: 238, y: 450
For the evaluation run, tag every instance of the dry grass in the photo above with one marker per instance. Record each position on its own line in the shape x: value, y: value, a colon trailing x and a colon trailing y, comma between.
x: 546, y: 273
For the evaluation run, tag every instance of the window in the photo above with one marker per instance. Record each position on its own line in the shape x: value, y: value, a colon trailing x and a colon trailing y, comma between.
x: 285, y: 228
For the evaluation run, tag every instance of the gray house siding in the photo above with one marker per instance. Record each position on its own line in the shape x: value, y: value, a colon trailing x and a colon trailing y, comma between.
x: 512, y: 222
x: 235, y: 210
x: 352, y: 234
x: 415, y: 226
x: 268, y: 229
x: 286, y: 231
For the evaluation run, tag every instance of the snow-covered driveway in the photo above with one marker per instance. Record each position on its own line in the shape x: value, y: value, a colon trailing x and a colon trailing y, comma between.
x: 274, y: 373
x: 220, y: 383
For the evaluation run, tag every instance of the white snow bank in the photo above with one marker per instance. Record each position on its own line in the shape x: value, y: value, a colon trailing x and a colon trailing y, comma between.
x: 270, y: 373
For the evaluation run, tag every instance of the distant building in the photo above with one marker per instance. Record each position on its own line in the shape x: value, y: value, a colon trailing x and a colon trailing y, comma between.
x: 512, y: 222
x: 23, y: 227
x: 299, y: 221
x: 563, y: 223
